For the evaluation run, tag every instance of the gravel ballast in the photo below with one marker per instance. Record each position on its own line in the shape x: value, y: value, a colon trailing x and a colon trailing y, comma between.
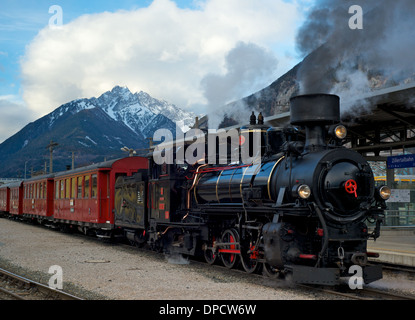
x: 97, y: 270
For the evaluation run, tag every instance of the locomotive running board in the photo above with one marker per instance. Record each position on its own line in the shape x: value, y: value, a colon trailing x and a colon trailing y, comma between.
x: 311, y: 275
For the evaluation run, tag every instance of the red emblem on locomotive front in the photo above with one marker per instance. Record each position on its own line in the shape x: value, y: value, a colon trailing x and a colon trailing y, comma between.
x: 351, y: 187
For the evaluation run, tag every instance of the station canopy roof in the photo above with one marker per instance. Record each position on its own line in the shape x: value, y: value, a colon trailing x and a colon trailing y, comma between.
x: 387, y: 120
x: 378, y: 121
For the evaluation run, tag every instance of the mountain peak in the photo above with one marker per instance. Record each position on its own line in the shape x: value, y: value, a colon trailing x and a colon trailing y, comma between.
x: 123, y: 92
x: 121, y: 104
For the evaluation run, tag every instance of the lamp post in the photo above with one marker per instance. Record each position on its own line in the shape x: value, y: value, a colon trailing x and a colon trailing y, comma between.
x: 25, y: 166
x: 52, y: 145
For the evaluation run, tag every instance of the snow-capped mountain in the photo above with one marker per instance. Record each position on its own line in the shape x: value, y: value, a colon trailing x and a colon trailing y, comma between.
x: 95, y: 129
x: 120, y: 104
x: 139, y: 111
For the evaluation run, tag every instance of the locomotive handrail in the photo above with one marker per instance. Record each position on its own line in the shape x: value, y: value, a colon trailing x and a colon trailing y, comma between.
x: 190, y: 189
x: 215, y: 169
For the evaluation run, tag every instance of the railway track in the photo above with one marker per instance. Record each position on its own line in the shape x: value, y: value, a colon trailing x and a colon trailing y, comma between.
x: 366, y: 293
x: 15, y: 287
x: 376, y: 294
x: 396, y: 268
x: 361, y: 294
x: 27, y: 286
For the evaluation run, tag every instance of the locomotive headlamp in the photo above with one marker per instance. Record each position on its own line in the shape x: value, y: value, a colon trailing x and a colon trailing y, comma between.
x: 304, y: 191
x: 385, y: 192
x: 340, y: 131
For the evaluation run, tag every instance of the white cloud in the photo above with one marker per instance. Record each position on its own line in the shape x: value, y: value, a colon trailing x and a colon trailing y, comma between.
x: 162, y: 49
x: 14, y: 116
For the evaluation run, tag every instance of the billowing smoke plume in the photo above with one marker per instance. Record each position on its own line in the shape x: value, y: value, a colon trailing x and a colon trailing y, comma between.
x: 249, y: 68
x: 347, y: 61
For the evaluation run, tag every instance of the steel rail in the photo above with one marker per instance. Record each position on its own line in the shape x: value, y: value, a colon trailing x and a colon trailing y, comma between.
x: 30, y: 284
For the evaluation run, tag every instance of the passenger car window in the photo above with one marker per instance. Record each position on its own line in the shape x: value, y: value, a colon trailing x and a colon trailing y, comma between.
x: 79, y: 196
x: 56, y: 189
x: 86, y: 187
x: 74, y: 185
x: 94, y: 186
x: 68, y: 188
x: 62, y: 193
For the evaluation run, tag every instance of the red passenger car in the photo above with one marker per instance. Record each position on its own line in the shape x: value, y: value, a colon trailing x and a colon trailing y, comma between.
x: 85, y: 196
x: 16, y: 197
x: 4, y: 198
x: 38, y: 196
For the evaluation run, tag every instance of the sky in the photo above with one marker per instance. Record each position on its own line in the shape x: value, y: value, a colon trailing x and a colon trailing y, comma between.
x: 53, y: 52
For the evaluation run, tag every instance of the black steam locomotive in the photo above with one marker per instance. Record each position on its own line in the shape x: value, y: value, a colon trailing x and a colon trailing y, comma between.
x: 301, y: 210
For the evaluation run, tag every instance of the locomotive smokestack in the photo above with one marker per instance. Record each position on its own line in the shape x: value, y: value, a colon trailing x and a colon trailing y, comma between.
x: 314, y: 111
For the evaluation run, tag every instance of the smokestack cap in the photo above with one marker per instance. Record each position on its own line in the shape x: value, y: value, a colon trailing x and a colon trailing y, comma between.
x: 319, y: 109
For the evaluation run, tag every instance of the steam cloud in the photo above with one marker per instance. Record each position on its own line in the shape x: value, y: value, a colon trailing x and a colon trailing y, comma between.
x: 161, y: 49
x: 348, y: 62
x: 248, y: 69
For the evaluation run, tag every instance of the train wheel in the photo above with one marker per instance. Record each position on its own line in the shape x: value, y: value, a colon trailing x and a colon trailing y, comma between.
x: 230, y: 253
x: 210, y: 255
x: 270, y: 271
x: 250, y: 260
x: 140, y: 239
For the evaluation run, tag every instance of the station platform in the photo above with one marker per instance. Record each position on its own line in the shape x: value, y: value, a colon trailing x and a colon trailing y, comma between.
x: 395, y: 246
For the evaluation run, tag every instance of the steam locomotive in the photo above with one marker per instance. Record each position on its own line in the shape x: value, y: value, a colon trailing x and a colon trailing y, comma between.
x: 298, y: 203
x: 301, y: 210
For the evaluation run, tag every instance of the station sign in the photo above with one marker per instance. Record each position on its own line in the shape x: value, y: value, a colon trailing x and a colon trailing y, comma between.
x: 400, y: 162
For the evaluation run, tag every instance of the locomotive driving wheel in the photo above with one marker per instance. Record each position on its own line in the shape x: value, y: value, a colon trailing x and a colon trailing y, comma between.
x: 210, y: 254
x: 250, y: 252
x: 230, y: 252
x: 250, y: 259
